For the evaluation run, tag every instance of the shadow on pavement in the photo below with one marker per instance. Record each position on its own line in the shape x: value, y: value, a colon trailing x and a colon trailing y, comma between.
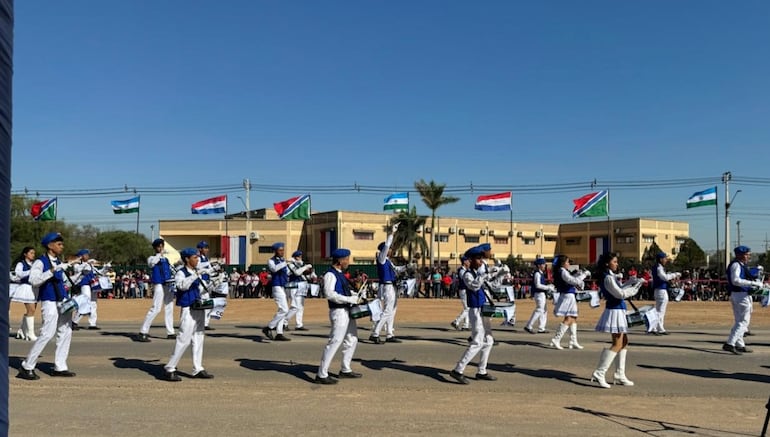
x: 150, y: 367
x: 298, y: 370
x: 256, y: 338
x: 653, y: 426
x: 396, y: 364
x: 711, y: 373
x: 542, y: 373
x: 674, y: 346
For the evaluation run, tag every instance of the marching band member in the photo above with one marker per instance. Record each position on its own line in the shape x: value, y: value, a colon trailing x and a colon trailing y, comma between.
x: 298, y: 286
x: 22, y: 292
x: 461, y: 322
x: 191, y: 321
x: 481, y: 328
x: 47, y: 275
x: 387, y: 274
x: 340, y: 296
x: 161, y: 278
x: 204, y: 268
x: 739, y: 285
x: 660, y: 283
x: 280, y: 277
x: 85, y: 274
x: 613, y: 320
x: 539, y: 290
x: 566, y: 306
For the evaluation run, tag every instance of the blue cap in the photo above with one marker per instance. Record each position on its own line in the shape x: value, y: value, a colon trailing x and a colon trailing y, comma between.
x: 202, y: 245
x: 50, y: 238
x: 662, y: 255
x: 555, y: 262
x: 277, y: 246
x: 539, y: 261
x: 380, y: 246
x: 340, y: 253
x: 157, y: 242
x: 463, y: 259
x: 82, y: 252
x: 741, y: 250
x: 474, y: 252
x: 296, y: 253
x: 186, y: 253
x: 485, y: 247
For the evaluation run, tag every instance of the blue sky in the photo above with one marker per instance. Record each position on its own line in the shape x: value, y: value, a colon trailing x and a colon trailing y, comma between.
x: 175, y: 93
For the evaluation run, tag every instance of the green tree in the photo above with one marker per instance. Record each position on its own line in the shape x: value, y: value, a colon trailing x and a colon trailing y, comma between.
x: 650, y: 254
x: 690, y: 256
x: 433, y: 196
x: 122, y: 247
x: 407, y: 237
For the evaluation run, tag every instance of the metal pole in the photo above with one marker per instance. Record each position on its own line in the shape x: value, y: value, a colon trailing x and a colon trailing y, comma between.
x: 726, y: 179
x: 738, y: 224
x: 247, y: 187
x: 716, y: 210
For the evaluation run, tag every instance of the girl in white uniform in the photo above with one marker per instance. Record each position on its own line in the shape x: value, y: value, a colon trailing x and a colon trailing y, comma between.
x: 566, y: 306
x: 21, y: 291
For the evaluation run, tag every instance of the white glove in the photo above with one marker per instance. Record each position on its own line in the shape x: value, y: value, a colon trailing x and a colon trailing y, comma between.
x: 587, y: 274
x: 552, y: 288
x: 309, y: 267
x: 757, y: 283
x: 394, y: 228
x: 353, y: 298
x: 62, y: 266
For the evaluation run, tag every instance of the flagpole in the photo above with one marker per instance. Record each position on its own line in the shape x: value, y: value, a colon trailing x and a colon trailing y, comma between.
x: 138, y: 198
x: 609, y: 223
x: 510, y: 238
x: 227, y: 235
x: 716, y: 210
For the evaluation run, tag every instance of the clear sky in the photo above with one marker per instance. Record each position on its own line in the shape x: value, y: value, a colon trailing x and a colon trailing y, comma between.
x: 162, y: 94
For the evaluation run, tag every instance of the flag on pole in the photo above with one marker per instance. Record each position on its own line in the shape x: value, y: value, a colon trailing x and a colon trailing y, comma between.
x: 296, y: 208
x: 494, y: 202
x: 44, y: 211
x: 396, y: 202
x: 328, y: 243
x: 125, y: 206
x: 703, y: 198
x: 591, y: 205
x: 215, y: 205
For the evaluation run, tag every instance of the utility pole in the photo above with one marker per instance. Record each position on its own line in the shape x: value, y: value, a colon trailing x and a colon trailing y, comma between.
x: 726, y: 176
x: 738, y: 225
x: 247, y: 187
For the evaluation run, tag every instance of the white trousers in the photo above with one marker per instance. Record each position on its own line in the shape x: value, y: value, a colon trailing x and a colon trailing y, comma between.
x: 191, y: 326
x: 53, y: 324
x: 388, y: 318
x: 661, y: 302
x: 462, y: 318
x: 742, y: 307
x: 539, y: 314
x: 298, y: 304
x: 343, y: 333
x: 481, y: 333
x: 162, y: 297
x: 91, y: 310
x: 283, y: 313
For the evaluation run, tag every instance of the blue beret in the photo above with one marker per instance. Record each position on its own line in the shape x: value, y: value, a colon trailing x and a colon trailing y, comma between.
x: 296, y: 253
x: 82, y: 252
x: 340, y: 253
x: 662, y: 255
x: 741, y: 250
x: 202, y: 245
x: 555, y: 262
x: 463, y: 259
x: 51, y: 237
x: 277, y: 246
x: 157, y: 242
x: 380, y: 246
x: 186, y: 253
x: 539, y: 261
x: 485, y: 247
x: 474, y: 252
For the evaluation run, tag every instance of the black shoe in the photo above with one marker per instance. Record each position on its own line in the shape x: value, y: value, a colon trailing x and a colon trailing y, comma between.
x: 28, y: 374
x: 747, y: 334
x: 528, y: 329
x: 171, y: 337
x: 75, y: 327
x: 375, y: 340
x: 459, y: 377
x: 203, y: 375
x: 655, y: 333
x: 543, y: 331
x: 743, y: 349
x: 325, y: 381
x: 268, y: 332
x: 731, y: 348
x: 65, y: 373
x: 301, y: 328
x: 392, y: 340
x: 208, y: 328
x: 470, y: 339
x: 663, y: 333
x: 143, y: 338
x: 94, y: 328
x: 172, y: 376
x: 351, y: 375
x: 485, y: 377
x: 281, y: 337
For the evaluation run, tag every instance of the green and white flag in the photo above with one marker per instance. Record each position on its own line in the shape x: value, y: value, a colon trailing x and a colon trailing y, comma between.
x: 396, y: 201
x: 125, y: 206
x: 703, y: 198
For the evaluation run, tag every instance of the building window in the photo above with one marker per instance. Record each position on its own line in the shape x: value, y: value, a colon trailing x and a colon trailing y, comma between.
x: 363, y: 235
x: 367, y: 261
x: 501, y: 240
x: 648, y: 239
x: 551, y: 238
x: 680, y: 241
x: 265, y: 249
x: 529, y: 241
x: 471, y: 239
x: 442, y: 238
x: 624, y: 239
x: 572, y: 241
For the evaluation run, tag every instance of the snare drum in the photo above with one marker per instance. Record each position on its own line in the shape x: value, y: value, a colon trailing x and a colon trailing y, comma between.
x: 358, y: 311
x: 500, y: 310
x: 375, y: 308
x: 315, y: 290
x: 218, y: 309
x: 646, y: 315
x: 302, y: 289
x: 104, y: 283
x: 676, y: 294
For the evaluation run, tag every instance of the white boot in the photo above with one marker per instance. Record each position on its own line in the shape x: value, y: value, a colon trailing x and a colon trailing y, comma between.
x: 556, y: 340
x: 29, y: 324
x: 22, y: 332
x: 573, y: 343
x: 605, y: 360
x: 620, y: 370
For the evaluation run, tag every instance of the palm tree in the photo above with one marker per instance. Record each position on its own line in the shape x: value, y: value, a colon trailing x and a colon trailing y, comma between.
x: 408, y: 236
x: 433, y: 196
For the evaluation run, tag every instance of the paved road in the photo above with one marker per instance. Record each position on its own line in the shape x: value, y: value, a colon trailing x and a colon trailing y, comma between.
x: 685, y: 385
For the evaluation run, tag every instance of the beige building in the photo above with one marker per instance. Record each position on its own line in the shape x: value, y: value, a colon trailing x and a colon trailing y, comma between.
x: 248, y: 241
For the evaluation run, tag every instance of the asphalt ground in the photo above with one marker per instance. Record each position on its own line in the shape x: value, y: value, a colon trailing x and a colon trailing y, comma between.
x: 685, y: 383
